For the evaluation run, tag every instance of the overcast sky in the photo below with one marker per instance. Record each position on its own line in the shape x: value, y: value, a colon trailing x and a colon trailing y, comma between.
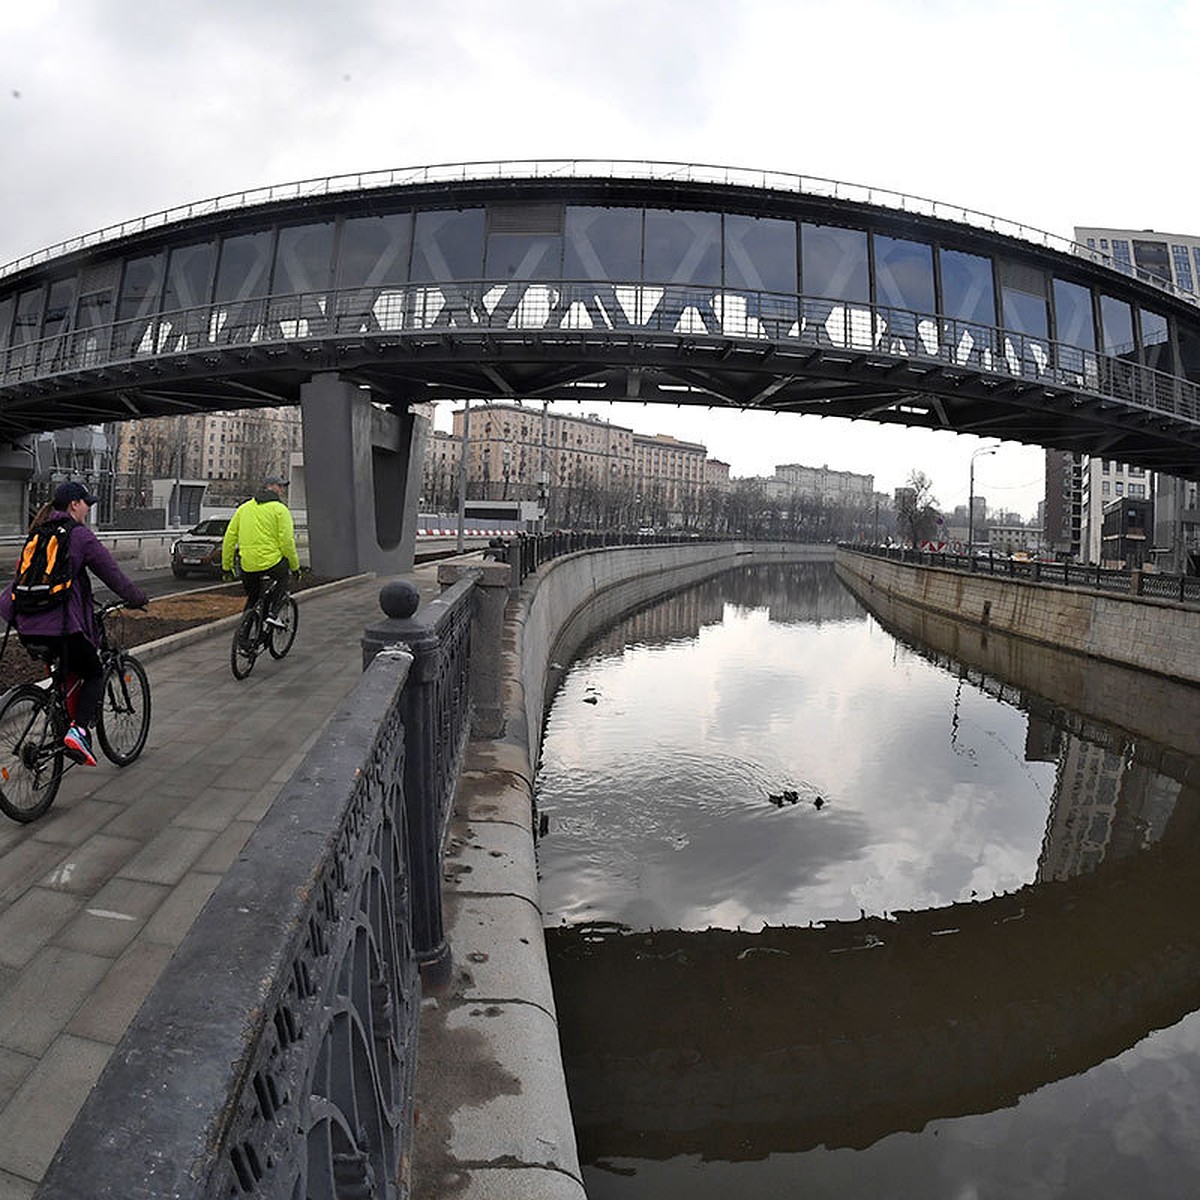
x: 1053, y: 113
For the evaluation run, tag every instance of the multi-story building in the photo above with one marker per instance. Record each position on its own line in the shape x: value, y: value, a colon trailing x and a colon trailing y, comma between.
x: 583, y: 469
x: 831, y: 487
x: 1127, y: 534
x: 575, y: 465
x: 1171, y: 257
x: 716, y: 474
x: 1101, y: 481
x: 230, y: 452
x: 1174, y: 259
x: 1177, y: 524
x: 441, y: 470
x: 669, y: 477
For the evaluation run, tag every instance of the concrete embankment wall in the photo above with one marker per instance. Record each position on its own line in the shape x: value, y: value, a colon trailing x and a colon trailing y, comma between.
x: 1143, y: 633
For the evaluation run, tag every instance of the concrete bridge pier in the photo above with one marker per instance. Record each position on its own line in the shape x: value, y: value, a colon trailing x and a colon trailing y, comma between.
x: 362, y: 478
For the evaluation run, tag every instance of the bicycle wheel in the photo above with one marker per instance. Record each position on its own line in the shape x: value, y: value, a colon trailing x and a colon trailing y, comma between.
x: 280, y: 640
x: 31, y: 753
x: 123, y: 720
x: 245, y: 644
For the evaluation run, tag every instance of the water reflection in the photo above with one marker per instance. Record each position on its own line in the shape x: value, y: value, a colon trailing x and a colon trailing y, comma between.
x: 946, y: 980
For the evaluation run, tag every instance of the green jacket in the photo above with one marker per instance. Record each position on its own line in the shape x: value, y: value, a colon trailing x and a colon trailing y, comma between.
x: 262, y: 531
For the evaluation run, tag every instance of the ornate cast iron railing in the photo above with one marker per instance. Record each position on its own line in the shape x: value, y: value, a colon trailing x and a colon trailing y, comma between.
x: 1180, y: 588
x: 275, y: 1056
x: 436, y: 713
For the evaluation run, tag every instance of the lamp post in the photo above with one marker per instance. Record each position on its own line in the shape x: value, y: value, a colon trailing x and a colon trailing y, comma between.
x: 971, y: 498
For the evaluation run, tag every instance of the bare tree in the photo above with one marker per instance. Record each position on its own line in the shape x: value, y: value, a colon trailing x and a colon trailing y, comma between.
x: 916, y: 507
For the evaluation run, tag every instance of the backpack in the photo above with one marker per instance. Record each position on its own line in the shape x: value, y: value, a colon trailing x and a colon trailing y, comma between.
x: 43, y: 580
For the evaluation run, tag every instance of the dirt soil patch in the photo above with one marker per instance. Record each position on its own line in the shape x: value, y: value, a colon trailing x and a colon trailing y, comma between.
x: 132, y: 627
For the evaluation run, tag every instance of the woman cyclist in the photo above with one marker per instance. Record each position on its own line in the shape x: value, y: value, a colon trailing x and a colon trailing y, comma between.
x: 70, y: 629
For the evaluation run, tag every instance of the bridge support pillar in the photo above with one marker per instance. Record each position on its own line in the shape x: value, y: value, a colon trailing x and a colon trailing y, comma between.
x: 362, y: 468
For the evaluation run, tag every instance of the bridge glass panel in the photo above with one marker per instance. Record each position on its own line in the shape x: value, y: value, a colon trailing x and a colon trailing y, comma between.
x: 185, y: 321
x: 7, y: 305
x: 837, y: 287
x: 761, y: 277
x: 372, y: 271
x: 603, y: 245
x: 60, y: 300
x: 300, y: 285
x: 27, y: 324
x: 1116, y: 327
x: 447, y: 247
x: 243, y: 277
x: 682, y: 251
x: 1075, y: 333
x: 904, y: 295
x: 524, y: 246
x: 1119, y: 346
x: 1189, y: 349
x: 90, y: 338
x: 138, y: 299
x: 1157, y: 352
x: 1025, y: 315
x: 969, y: 307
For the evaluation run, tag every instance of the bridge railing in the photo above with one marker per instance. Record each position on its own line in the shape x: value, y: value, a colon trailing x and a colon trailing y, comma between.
x: 276, y: 1054
x: 1127, y: 582
x: 190, y: 337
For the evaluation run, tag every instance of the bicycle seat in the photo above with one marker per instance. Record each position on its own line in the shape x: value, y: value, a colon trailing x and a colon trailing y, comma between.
x: 41, y: 651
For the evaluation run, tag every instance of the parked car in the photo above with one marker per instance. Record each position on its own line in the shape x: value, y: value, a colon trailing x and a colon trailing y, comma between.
x: 199, y: 550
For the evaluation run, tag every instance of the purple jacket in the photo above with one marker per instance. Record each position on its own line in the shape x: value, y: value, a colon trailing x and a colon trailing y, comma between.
x: 85, y: 551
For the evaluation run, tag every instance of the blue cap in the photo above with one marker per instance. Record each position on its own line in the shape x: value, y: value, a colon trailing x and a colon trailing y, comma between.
x: 66, y: 492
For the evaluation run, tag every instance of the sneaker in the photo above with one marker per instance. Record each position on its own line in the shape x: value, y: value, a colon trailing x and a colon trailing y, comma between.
x: 274, y: 623
x: 79, y: 746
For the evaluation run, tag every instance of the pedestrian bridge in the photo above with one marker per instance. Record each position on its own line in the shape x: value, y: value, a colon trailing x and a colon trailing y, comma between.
x: 574, y: 280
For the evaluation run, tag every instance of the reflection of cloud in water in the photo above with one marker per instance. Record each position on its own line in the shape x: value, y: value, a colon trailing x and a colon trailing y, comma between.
x: 672, y: 768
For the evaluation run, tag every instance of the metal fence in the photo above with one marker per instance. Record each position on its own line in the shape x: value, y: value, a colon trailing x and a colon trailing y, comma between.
x: 786, y: 321
x: 1180, y: 588
x: 275, y: 1056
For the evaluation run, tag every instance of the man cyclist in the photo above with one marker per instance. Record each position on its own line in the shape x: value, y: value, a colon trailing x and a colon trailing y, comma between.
x: 70, y: 629
x: 262, y: 532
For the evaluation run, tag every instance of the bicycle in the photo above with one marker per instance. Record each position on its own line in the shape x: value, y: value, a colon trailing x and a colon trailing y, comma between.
x: 255, y: 633
x: 34, y: 717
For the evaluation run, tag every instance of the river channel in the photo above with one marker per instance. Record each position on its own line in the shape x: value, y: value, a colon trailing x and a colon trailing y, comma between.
x: 843, y: 903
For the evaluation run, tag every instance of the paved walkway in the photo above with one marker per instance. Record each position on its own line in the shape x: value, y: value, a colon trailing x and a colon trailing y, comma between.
x: 96, y: 895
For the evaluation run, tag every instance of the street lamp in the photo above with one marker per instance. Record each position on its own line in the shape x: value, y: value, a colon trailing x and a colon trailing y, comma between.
x: 971, y: 498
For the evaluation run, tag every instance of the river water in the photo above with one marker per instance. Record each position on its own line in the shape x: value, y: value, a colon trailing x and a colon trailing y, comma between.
x: 833, y: 911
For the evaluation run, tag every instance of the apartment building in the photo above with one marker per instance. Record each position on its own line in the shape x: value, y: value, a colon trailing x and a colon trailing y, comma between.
x: 582, y: 468
x: 231, y: 452
x: 1103, y: 480
x: 669, y: 476
x: 843, y: 488
x: 1173, y: 258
